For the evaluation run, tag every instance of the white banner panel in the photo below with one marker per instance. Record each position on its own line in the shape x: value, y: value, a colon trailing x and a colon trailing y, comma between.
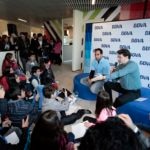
x: 133, y: 35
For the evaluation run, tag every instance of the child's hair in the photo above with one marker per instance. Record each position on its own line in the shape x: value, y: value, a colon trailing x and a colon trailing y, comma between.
x: 48, y: 91
x: 34, y: 69
x: 31, y: 54
x: 102, y: 101
x: 15, y: 92
x: 8, y: 56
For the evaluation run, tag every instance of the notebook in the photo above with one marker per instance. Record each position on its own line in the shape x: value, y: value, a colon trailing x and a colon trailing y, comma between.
x: 79, y: 130
x: 12, y: 138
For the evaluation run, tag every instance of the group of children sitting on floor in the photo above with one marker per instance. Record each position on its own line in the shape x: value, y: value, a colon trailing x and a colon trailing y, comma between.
x: 20, y: 110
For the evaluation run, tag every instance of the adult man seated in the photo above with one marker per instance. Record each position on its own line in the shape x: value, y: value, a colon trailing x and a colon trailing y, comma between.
x: 127, y: 72
x: 100, y: 66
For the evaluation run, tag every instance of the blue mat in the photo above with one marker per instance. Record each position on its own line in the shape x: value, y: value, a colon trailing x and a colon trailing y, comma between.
x: 83, y: 91
x: 139, y: 111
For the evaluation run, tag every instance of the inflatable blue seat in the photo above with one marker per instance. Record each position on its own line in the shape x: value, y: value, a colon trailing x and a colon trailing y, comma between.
x: 82, y: 90
x: 139, y: 111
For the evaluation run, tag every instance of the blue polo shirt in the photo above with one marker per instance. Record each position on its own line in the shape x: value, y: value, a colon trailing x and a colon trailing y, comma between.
x: 102, y: 67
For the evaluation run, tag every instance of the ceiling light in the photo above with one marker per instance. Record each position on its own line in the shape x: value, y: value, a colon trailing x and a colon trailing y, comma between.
x: 22, y: 20
x: 93, y: 2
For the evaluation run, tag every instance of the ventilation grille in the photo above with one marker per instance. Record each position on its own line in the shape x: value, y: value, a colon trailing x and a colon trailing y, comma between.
x: 87, y: 4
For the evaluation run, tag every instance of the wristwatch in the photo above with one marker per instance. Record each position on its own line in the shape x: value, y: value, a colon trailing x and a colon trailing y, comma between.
x: 136, y: 130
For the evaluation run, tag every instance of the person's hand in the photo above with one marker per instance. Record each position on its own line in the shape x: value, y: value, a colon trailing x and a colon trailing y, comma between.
x: 25, y: 122
x: 65, y: 92
x: 98, y: 78
x: 89, y: 81
x: 6, y: 123
x: 2, y: 93
x: 127, y: 120
x: 39, y: 47
x: 113, y: 69
x: 88, y: 124
x: 37, y: 96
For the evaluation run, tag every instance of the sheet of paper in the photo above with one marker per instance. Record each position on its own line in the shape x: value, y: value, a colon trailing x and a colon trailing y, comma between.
x: 141, y: 99
x: 12, y: 138
x: 78, y: 130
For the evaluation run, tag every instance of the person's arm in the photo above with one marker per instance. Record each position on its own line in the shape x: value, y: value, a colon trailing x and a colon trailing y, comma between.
x: 23, y: 139
x: 34, y: 83
x: 120, y: 72
x: 106, y: 70
x: 128, y: 121
x: 129, y: 68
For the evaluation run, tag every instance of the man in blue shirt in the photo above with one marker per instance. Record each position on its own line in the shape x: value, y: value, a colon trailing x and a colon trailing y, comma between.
x: 100, y: 66
x: 127, y: 72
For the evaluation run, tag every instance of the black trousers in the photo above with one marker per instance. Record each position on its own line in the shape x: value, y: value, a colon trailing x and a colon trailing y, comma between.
x: 69, y: 119
x: 125, y: 96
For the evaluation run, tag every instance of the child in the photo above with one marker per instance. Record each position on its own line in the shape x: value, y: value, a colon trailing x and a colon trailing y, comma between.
x: 30, y: 63
x: 104, y: 109
x: 51, y: 102
x: 35, y: 77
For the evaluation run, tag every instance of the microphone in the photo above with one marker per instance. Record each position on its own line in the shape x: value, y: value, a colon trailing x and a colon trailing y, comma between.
x: 115, y: 64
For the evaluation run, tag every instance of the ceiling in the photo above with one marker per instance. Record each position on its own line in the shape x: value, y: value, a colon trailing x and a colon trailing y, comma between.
x: 38, y: 11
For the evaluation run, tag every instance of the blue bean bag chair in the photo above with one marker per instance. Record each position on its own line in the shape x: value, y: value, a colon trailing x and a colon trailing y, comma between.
x: 82, y: 90
x: 139, y: 111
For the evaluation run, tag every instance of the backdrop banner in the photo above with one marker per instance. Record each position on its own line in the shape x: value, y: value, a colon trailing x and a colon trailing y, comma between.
x: 133, y: 35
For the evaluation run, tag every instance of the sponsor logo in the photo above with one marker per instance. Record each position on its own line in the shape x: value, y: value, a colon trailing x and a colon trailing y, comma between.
x: 105, y: 45
x: 112, y: 52
x: 145, y: 63
x: 116, y: 26
x: 137, y: 40
x: 144, y: 77
x: 124, y: 46
x: 106, y: 33
x: 126, y: 33
x: 115, y: 39
x: 98, y: 27
x: 139, y: 25
x: 146, y: 48
x: 147, y: 32
x: 98, y: 39
x: 135, y: 54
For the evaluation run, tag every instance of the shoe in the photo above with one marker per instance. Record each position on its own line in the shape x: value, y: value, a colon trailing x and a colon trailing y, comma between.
x: 84, y: 111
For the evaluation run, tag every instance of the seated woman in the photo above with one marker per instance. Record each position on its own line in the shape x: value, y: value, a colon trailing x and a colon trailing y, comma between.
x: 48, y: 132
x: 104, y: 109
x: 11, y: 62
x: 51, y: 102
x: 9, y: 78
